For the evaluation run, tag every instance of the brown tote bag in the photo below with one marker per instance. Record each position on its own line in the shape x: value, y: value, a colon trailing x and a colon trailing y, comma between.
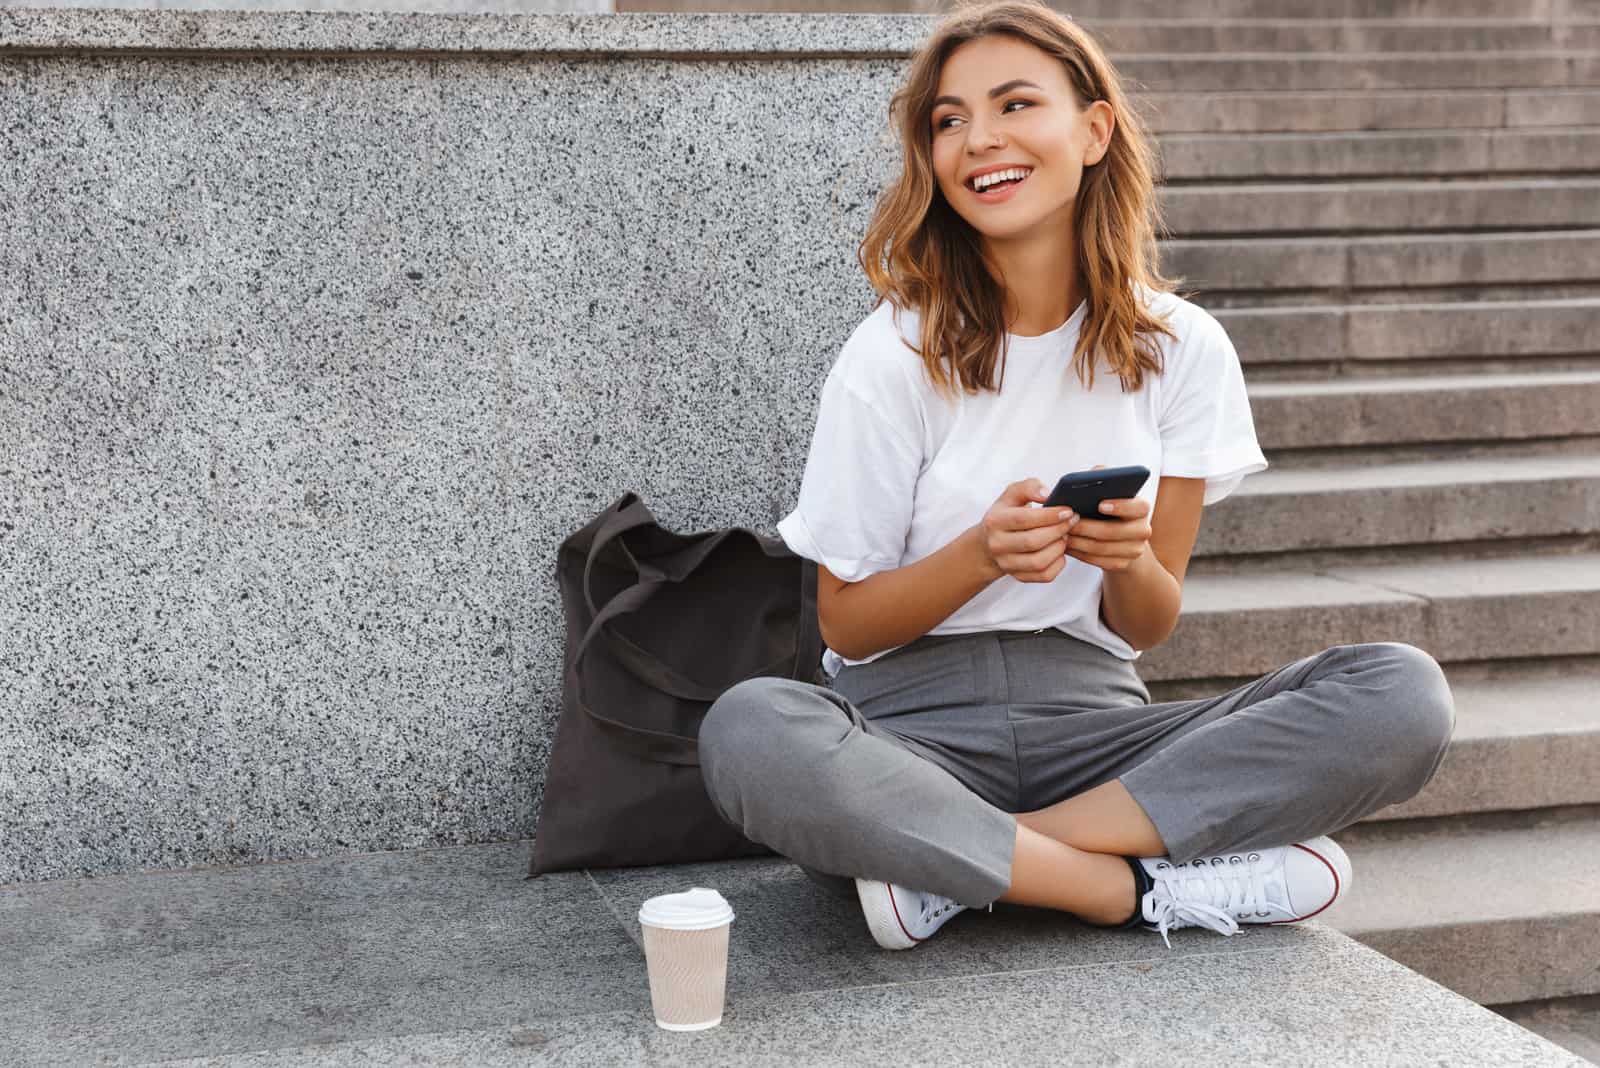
x: 659, y: 625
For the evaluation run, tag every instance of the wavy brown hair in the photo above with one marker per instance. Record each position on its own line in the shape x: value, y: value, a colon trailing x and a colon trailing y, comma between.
x: 919, y: 253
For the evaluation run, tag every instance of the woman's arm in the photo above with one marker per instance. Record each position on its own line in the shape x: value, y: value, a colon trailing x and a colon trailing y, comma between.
x: 1142, y: 594
x: 894, y: 607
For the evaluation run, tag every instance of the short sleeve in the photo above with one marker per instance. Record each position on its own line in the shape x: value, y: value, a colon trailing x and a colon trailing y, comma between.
x: 856, y: 494
x: 1205, y: 424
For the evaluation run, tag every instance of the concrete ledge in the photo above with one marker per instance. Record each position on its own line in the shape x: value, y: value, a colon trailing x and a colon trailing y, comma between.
x: 1389, y: 262
x: 1334, y: 109
x: 1379, y: 153
x: 448, y: 956
x: 1453, y: 330
x: 1430, y: 408
x: 1243, y: 625
x: 1228, y: 72
x: 1342, y: 9
x: 1382, y: 206
x: 1528, y: 740
x: 1132, y: 35
x: 1497, y: 908
x: 24, y: 30
x: 1430, y: 503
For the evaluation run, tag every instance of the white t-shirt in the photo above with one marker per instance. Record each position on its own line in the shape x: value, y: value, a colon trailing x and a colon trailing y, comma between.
x: 896, y: 470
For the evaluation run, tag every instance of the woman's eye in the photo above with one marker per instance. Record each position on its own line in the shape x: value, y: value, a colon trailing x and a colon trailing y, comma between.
x: 941, y: 123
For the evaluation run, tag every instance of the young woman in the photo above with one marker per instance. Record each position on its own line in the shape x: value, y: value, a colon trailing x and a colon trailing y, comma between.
x: 985, y: 736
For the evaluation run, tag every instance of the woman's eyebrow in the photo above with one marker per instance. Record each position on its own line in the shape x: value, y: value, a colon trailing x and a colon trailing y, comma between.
x: 1014, y: 83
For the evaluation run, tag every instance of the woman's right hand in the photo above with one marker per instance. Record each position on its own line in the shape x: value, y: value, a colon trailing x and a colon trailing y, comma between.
x: 1027, y: 543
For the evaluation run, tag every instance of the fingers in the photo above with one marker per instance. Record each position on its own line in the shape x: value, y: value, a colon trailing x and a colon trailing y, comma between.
x: 1045, y: 574
x: 1110, y: 530
x: 1126, y: 508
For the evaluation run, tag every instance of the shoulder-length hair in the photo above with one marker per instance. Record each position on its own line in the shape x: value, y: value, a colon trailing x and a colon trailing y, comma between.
x: 919, y: 253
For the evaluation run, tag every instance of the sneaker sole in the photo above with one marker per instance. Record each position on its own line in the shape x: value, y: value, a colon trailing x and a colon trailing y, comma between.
x: 1333, y: 855
x: 883, y: 915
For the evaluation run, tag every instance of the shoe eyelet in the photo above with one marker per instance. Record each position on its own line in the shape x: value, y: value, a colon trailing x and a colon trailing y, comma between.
x: 1255, y: 856
x: 1263, y: 914
x: 1163, y: 866
x: 1215, y: 861
x: 1235, y: 860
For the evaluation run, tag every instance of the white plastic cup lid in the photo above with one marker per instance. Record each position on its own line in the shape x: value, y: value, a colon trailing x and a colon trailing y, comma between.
x: 692, y: 910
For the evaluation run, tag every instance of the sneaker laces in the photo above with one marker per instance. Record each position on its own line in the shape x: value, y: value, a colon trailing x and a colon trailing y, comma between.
x: 1213, y: 895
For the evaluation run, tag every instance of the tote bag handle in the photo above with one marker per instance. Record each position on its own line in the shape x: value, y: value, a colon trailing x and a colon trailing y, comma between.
x: 665, y: 746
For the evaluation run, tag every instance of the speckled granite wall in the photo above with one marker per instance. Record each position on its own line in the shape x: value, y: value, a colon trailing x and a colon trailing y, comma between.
x: 309, y: 362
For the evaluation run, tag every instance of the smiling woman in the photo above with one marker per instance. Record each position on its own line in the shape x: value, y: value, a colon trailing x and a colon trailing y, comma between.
x: 985, y: 736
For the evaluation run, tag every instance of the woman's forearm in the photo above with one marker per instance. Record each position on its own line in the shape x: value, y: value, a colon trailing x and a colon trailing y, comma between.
x: 1142, y: 602
x: 892, y: 608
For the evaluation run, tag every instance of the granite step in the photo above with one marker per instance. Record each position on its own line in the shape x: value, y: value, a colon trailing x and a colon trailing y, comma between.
x: 1244, y: 625
x: 1428, y: 503
x: 1423, y: 409
x: 1441, y: 10
x: 447, y: 956
x: 1128, y: 36
x: 1482, y: 329
x: 1197, y: 13
x: 1379, y: 153
x: 1527, y: 737
x: 1497, y: 908
x: 1572, y: 1023
x: 1402, y: 261
x: 1339, y: 109
x: 1519, y: 204
x: 1221, y: 72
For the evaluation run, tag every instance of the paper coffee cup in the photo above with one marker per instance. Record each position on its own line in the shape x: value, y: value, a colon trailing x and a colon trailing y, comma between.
x: 686, y: 954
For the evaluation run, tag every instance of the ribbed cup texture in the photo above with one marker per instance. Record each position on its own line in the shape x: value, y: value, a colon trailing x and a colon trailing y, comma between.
x: 688, y: 972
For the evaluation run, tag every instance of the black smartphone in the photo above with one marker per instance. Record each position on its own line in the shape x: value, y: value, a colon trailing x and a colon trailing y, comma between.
x: 1082, y: 491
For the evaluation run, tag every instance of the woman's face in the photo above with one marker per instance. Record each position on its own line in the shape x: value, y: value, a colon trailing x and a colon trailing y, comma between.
x: 1036, y: 126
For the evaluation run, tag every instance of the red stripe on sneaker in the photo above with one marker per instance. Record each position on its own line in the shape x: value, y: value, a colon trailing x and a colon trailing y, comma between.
x: 896, y: 906
x: 1331, y: 871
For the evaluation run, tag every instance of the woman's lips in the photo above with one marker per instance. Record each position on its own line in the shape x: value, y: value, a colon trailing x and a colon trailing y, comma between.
x: 996, y: 196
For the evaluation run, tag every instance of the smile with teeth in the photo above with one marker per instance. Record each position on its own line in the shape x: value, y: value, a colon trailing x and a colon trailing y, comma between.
x: 984, y: 182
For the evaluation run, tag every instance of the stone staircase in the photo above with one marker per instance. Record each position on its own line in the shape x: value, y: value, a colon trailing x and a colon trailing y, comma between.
x: 1393, y: 207
x: 1396, y: 216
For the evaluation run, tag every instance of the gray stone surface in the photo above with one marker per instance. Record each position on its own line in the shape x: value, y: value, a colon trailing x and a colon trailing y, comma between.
x: 447, y: 956
x: 1382, y: 262
x: 444, y: 7
x: 1435, y: 502
x: 1379, y: 153
x: 1130, y: 35
x: 1244, y: 625
x: 308, y: 365
x: 1572, y: 1023
x: 1239, y: 71
x: 1342, y: 9
x: 1426, y: 408
x: 875, y: 38
x: 1458, y: 330
x: 1499, y: 909
x: 1524, y: 739
x: 1227, y: 208
x: 1356, y: 110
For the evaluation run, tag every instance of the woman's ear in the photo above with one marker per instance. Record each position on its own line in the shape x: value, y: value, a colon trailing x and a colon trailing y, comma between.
x: 1102, y: 121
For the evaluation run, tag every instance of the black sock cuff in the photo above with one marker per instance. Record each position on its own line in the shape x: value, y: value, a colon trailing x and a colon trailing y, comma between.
x: 1142, y: 885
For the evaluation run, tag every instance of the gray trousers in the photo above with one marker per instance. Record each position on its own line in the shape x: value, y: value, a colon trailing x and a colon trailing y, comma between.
x: 910, y: 768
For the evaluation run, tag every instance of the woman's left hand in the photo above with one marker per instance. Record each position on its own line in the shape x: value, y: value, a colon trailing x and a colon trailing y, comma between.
x: 1114, y: 543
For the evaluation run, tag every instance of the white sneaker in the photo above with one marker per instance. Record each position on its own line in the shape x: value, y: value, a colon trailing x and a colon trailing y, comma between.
x: 901, y: 918
x: 1284, y: 884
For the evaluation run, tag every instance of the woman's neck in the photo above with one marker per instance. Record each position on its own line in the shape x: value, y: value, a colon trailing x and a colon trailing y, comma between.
x: 1041, y: 284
